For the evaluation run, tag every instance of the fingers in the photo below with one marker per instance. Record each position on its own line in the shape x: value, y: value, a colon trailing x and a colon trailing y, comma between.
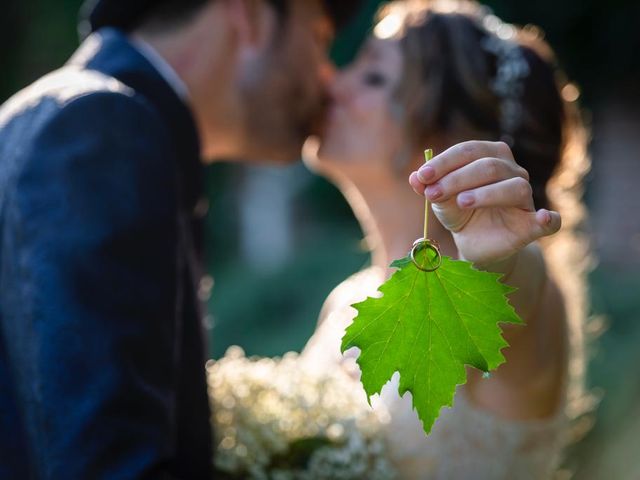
x: 485, y: 171
x: 542, y: 224
x: 416, y: 184
x: 513, y: 192
x: 460, y: 155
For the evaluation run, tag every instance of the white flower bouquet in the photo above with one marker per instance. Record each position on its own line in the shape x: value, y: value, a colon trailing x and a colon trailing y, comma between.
x: 280, y: 419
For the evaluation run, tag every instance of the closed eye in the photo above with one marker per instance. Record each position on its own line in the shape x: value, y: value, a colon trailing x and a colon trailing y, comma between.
x: 375, y: 79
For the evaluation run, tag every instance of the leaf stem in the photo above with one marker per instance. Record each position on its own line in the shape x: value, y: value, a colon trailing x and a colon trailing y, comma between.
x: 428, y: 155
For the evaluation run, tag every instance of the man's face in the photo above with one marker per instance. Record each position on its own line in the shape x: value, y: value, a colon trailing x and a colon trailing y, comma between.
x: 285, y: 90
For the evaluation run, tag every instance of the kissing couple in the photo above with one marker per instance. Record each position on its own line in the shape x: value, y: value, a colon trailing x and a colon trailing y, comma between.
x: 102, y: 349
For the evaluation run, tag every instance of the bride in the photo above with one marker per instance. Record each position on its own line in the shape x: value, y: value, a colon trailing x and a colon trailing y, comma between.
x: 434, y: 74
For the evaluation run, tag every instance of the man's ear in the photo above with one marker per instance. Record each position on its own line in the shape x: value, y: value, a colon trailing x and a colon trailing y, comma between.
x: 252, y: 20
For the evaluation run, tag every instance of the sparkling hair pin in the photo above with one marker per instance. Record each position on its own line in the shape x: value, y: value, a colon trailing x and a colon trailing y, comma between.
x: 511, y: 70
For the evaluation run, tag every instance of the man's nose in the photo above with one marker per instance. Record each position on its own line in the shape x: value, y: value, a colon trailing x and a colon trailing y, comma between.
x: 327, y: 74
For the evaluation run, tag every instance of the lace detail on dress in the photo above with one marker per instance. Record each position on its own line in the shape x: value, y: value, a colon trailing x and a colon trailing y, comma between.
x: 469, y: 443
x: 466, y: 442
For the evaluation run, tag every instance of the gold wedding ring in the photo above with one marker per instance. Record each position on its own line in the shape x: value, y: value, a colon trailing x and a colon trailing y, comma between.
x: 426, y: 244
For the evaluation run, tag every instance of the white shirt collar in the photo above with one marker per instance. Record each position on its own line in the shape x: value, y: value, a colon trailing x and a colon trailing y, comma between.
x: 162, y: 66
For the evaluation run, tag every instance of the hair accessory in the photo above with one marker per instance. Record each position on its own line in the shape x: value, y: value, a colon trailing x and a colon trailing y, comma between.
x: 511, y: 70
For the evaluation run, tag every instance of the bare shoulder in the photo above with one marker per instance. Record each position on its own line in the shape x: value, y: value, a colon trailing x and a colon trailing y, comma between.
x: 354, y: 289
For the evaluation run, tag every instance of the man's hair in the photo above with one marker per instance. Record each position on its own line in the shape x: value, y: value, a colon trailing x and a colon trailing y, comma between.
x: 130, y: 14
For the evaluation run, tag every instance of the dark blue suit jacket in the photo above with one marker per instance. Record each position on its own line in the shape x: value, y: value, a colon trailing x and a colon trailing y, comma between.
x: 101, y: 345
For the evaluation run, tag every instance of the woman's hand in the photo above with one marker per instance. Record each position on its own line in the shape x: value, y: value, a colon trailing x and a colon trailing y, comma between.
x: 483, y: 197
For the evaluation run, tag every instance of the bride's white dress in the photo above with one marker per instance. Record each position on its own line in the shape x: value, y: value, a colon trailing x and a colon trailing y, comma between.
x: 466, y: 442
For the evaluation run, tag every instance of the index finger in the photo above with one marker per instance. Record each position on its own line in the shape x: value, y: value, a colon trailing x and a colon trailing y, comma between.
x: 460, y: 155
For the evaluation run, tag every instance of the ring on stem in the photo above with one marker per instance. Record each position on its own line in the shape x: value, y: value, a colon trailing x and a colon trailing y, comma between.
x: 426, y: 244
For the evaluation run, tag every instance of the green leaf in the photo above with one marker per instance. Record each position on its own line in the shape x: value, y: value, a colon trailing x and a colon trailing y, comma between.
x: 427, y: 326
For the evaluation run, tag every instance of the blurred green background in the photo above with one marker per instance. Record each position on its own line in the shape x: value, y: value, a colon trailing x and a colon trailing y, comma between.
x: 280, y: 239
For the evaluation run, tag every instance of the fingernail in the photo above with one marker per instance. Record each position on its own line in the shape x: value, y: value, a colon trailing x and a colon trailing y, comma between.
x: 433, y: 192
x: 426, y: 173
x: 546, y: 217
x: 466, y: 199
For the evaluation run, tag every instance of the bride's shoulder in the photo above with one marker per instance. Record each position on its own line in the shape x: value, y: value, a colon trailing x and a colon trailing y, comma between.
x: 354, y: 289
x: 323, y: 348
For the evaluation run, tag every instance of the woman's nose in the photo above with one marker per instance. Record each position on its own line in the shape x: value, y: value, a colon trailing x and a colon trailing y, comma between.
x: 340, y: 87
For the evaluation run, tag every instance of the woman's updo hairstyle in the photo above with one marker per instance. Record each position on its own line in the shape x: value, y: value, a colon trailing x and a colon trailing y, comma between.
x: 467, y: 75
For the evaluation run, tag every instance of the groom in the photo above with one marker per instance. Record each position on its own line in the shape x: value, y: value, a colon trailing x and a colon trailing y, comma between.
x: 101, y: 348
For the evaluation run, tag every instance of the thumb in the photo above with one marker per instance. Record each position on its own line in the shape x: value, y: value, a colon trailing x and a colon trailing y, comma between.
x: 544, y: 223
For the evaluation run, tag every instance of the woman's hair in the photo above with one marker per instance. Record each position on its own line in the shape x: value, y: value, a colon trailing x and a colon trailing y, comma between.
x: 450, y: 86
x: 467, y: 75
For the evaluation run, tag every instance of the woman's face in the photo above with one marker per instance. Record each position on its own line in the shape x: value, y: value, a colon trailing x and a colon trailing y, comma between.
x: 363, y: 127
